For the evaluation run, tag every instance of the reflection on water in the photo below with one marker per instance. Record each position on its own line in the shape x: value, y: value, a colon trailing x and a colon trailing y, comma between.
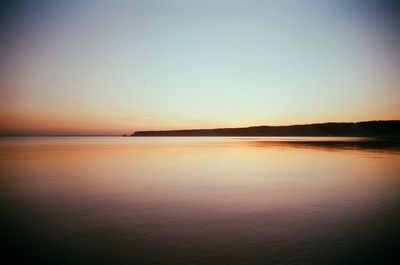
x: 199, y: 200
x: 334, y: 143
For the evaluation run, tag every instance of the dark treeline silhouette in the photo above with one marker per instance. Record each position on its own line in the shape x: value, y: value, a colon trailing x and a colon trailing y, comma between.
x: 367, y: 128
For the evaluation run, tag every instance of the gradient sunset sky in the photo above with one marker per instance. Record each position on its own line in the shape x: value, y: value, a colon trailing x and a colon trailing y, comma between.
x: 113, y: 67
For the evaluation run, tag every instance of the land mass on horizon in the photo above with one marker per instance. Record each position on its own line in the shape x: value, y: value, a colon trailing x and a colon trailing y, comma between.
x: 387, y: 128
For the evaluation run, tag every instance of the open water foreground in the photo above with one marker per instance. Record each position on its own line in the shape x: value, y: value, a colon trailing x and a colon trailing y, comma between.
x: 206, y: 200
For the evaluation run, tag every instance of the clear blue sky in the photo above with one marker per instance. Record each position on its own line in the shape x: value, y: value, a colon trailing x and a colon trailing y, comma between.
x: 118, y: 66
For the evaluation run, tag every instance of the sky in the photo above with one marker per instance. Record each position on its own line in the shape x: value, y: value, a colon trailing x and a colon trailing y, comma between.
x: 113, y: 67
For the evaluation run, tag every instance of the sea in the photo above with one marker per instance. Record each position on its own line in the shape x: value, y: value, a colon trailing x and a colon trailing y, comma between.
x: 199, y: 200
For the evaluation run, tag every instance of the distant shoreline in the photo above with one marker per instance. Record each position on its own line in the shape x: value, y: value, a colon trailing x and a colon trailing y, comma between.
x: 59, y: 135
x: 388, y: 128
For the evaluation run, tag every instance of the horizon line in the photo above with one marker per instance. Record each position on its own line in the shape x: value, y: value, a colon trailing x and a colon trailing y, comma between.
x: 253, y: 126
x: 7, y: 134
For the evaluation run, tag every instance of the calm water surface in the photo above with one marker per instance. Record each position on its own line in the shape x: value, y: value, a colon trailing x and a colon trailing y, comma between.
x: 132, y: 200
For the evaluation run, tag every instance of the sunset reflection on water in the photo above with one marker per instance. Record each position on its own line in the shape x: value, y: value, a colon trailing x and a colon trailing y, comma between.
x: 198, y: 200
